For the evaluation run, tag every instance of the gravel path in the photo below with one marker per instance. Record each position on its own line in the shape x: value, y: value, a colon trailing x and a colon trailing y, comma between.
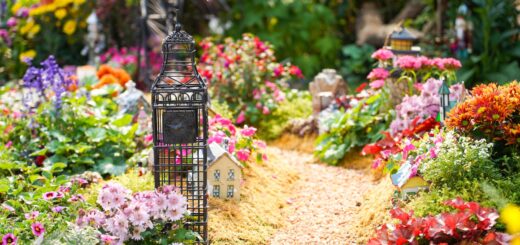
x: 324, y: 203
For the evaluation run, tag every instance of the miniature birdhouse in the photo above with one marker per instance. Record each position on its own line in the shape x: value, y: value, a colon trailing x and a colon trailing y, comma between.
x: 224, y: 173
x: 327, y: 86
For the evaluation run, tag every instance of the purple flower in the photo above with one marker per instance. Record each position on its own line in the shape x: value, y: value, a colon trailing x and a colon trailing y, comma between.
x: 57, y: 209
x: 50, y: 76
x: 50, y: 195
x: 23, y: 12
x: 9, y: 238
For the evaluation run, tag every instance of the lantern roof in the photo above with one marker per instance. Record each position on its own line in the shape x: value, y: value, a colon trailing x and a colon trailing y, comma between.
x: 403, y: 34
x: 444, y: 89
x: 179, y: 36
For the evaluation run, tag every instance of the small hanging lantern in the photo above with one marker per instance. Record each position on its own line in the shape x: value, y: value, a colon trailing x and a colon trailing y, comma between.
x: 401, y: 43
x: 180, y: 126
x: 444, y: 93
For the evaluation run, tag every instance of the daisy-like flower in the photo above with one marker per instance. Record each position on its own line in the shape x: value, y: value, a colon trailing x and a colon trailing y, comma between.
x: 50, y: 195
x: 37, y: 228
x: 9, y: 238
x: 32, y: 215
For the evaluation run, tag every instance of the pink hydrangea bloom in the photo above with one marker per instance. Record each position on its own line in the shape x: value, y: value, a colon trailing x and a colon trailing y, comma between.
x: 382, y: 54
x: 248, y: 131
x: 37, y: 229
x: 377, y: 84
x: 378, y: 74
x: 243, y: 155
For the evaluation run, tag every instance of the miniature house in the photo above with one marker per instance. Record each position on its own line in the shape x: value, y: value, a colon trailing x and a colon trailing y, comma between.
x: 224, y: 173
x: 413, y: 186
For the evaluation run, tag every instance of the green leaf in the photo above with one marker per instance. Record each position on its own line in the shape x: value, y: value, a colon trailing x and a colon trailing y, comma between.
x: 4, y: 185
x: 41, y: 152
x: 123, y: 121
x: 7, y: 165
x: 96, y: 134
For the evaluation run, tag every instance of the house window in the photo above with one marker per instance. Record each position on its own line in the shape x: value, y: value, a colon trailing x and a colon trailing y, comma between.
x: 216, y: 191
x: 230, y: 191
x: 231, y: 174
x: 216, y: 174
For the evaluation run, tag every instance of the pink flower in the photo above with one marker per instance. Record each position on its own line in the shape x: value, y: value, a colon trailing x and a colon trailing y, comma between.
x: 260, y: 144
x: 32, y: 215
x: 57, y: 209
x: 148, y: 138
x: 295, y: 71
x: 438, y: 63
x: 270, y: 85
x: 377, y: 84
x: 407, y: 148
x: 37, y: 229
x: 218, y: 137
x: 378, y: 74
x: 408, y: 62
x: 50, y: 195
x: 9, y: 238
x: 11, y: 22
x: 243, y: 155
x: 107, y: 239
x: 382, y: 54
x: 265, y: 110
x: 8, y: 145
x: 452, y: 64
x: 424, y: 62
x: 278, y: 70
x: 248, y: 131
x: 76, y: 198
x: 241, y: 117
x: 231, y: 146
x: 8, y: 207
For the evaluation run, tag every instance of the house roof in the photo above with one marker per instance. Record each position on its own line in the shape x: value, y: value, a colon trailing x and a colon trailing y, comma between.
x: 215, y: 152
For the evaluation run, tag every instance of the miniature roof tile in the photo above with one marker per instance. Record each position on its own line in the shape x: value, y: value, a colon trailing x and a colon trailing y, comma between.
x: 402, y: 34
x: 215, y: 151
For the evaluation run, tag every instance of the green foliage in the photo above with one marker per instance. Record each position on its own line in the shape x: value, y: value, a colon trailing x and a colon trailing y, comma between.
x: 73, y: 235
x: 496, y: 47
x: 84, y: 134
x: 221, y: 108
x: 356, y: 63
x: 302, y: 31
x: 357, y: 126
x: 298, y: 104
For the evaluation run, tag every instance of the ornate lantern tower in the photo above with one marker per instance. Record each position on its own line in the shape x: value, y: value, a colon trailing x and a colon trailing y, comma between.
x: 180, y: 126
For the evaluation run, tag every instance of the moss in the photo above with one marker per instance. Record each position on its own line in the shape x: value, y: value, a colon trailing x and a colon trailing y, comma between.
x: 297, y: 105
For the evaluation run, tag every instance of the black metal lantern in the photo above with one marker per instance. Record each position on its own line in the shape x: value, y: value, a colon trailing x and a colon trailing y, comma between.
x: 444, y: 93
x: 180, y: 126
x: 401, y: 43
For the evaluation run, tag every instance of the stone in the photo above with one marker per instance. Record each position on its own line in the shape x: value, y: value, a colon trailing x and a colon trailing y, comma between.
x: 327, y: 86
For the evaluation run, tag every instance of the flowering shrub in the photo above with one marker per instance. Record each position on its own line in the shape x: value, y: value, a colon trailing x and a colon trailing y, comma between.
x: 65, y: 127
x: 422, y: 106
x: 245, y: 75
x: 491, y: 112
x: 239, y: 142
x: 60, y: 22
x: 35, y: 206
x: 149, y: 216
x: 470, y: 223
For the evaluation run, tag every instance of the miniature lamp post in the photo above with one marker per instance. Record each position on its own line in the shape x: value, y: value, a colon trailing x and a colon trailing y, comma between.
x: 401, y: 43
x: 444, y: 93
x: 180, y: 126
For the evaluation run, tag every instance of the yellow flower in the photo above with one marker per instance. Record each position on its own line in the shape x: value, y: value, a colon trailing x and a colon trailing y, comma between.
x: 34, y: 30
x: 27, y: 54
x: 16, y: 7
x: 510, y: 215
x: 27, y: 27
x: 70, y: 27
x: 60, y: 13
x: 515, y: 241
x: 79, y: 2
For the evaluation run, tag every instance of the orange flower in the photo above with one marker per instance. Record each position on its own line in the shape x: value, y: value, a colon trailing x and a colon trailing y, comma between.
x: 104, y: 70
x: 105, y: 80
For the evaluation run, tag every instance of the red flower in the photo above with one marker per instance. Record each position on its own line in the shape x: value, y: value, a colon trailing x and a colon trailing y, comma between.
x: 361, y: 87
